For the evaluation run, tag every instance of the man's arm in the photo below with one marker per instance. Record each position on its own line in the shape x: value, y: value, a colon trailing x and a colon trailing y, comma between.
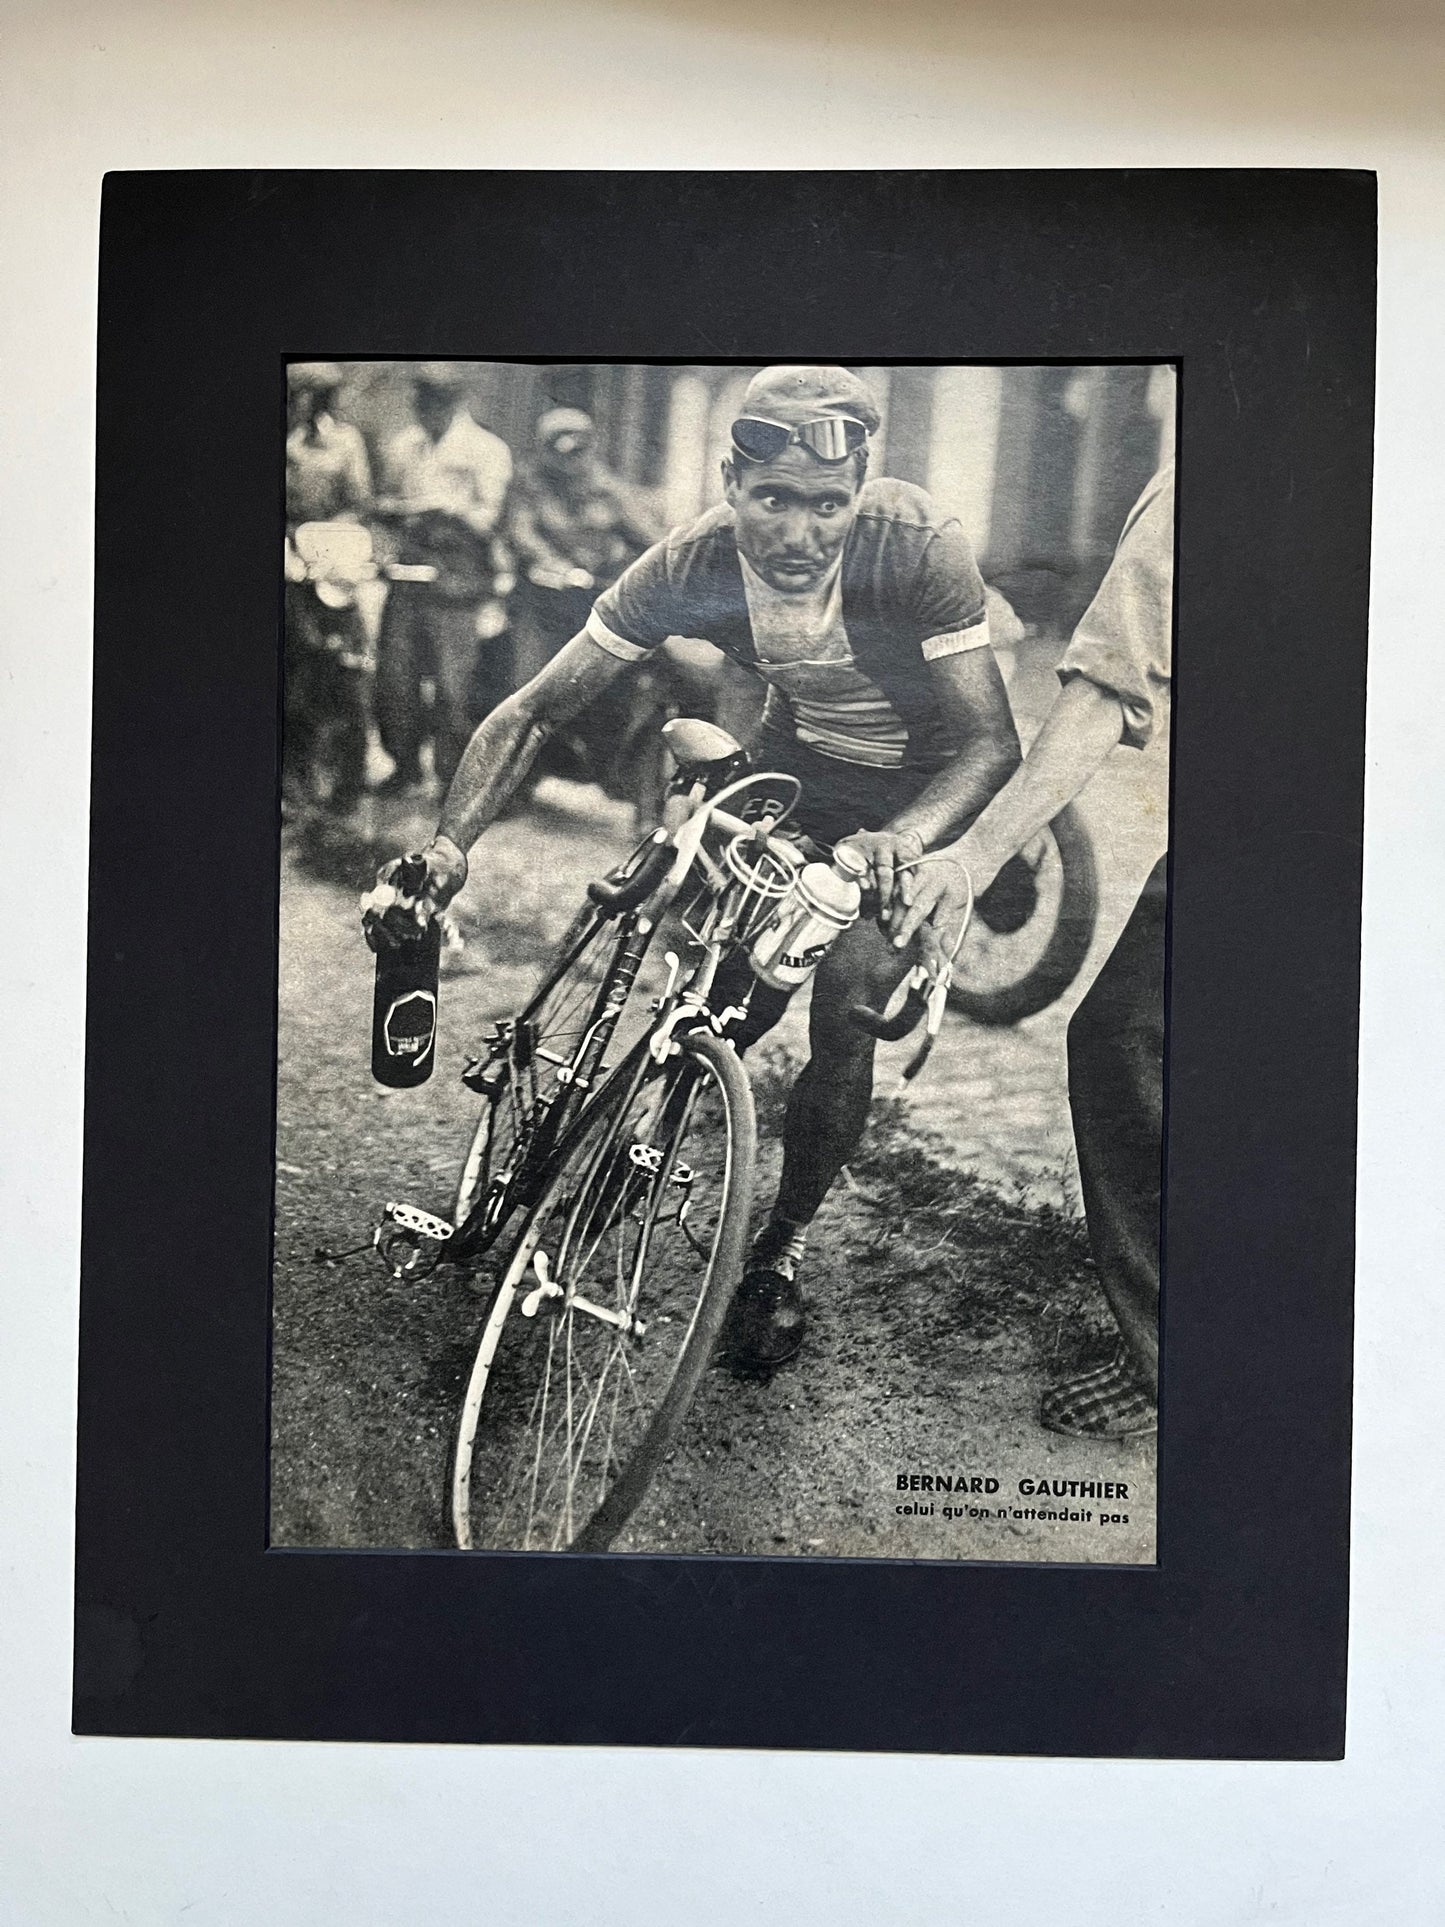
x: 503, y: 745
x: 1116, y: 674
x: 970, y: 694
x: 493, y: 764
x: 1083, y: 726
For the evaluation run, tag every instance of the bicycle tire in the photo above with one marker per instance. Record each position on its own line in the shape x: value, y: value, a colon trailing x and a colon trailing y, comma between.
x: 588, y: 1193
x: 1063, y: 955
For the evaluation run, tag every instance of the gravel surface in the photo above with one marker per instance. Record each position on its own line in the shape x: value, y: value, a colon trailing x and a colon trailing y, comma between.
x: 948, y: 1275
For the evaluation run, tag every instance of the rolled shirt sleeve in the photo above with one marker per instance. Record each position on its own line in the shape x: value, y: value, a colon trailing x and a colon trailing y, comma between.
x: 1123, y: 643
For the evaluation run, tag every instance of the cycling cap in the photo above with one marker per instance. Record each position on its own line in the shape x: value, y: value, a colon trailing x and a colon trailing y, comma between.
x: 795, y: 393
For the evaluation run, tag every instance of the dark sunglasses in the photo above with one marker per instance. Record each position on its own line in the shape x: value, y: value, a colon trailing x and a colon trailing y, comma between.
x: 831, y: 438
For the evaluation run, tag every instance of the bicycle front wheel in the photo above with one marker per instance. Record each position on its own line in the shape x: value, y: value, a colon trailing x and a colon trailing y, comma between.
x: 603, y: 1323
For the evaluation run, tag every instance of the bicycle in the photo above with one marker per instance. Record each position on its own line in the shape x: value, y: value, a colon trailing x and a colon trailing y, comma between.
x: 630, y: 1182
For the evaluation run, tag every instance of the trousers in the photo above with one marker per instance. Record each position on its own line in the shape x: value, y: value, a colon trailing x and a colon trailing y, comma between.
x: 324, y: 721
x: 1116, y: 1096
x: 424, y: 636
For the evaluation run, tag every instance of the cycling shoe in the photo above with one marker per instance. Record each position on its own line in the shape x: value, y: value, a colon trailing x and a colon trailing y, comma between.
x: 766, y: 1321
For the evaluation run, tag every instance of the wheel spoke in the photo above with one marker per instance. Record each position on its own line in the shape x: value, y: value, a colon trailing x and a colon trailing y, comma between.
x: 570, y: 1416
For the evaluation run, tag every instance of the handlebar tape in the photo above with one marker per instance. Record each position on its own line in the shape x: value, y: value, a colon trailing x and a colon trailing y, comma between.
x: 615, y: 896
x: 888, y: 1030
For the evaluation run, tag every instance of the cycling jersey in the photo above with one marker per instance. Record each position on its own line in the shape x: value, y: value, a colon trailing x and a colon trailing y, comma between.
x: 846, y: 662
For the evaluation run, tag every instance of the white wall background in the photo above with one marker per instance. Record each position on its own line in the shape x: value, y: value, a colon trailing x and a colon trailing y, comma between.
x: 147, y: 1832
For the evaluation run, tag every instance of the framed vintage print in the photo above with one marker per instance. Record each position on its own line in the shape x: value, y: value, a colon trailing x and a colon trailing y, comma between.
x: 735, y: 1123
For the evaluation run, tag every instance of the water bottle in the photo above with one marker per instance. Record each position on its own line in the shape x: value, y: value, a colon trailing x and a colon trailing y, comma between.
x: 824, y: 901
x: 404, y: 1006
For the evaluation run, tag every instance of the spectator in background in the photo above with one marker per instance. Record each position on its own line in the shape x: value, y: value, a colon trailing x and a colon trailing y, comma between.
x: 328, y: 480
x: 574, y: 527
x: 328, y: 477
x: 446, y: 480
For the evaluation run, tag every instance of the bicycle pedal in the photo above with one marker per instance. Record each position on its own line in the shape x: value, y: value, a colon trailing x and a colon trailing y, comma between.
x: 422, y: 1224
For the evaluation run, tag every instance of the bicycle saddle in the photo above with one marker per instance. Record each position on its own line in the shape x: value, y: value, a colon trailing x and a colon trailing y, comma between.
x: 699, y: 748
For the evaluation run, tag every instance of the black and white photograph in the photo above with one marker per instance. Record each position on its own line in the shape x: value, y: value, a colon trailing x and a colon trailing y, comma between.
x: 722, y: 1024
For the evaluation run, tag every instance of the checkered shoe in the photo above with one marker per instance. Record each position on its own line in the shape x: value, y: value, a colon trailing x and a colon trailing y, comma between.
x: 1109, y: 1403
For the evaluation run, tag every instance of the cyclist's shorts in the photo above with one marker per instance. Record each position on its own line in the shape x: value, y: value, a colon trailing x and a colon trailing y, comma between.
x: 838, y: 798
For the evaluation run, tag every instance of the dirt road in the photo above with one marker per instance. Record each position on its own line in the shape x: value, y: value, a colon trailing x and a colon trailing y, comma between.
x: 949, y: 1273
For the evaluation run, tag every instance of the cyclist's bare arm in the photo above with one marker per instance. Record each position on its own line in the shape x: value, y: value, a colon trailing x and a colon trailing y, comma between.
x: 970, y: 695
x: 493, y: 764
x: 503, y: 746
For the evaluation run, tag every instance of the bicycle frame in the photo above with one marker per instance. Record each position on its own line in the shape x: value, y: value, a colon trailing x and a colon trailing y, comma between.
x: 685, y: 999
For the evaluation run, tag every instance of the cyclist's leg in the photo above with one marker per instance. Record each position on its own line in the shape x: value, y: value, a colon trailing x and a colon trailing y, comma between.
x: 736, y: 985
x: 826, y: 1113
x: 829, y: 1103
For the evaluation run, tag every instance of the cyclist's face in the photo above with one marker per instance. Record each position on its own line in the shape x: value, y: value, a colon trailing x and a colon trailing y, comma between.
x: 793, y: 515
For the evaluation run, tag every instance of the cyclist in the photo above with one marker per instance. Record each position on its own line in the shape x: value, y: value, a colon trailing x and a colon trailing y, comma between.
x: 862, y: 609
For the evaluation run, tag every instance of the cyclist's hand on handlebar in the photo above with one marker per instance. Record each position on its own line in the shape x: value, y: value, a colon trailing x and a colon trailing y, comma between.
x: 939, y: 898
x: 409, y: 891
x: 887, y: 853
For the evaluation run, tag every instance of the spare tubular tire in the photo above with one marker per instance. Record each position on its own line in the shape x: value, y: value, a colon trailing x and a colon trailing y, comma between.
x: 615, y: 895
x: 1068, y: 943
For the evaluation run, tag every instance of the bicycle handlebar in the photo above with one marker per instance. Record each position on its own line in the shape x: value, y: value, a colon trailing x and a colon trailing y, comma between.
x: 928, y: 984
x: 889, y: 1030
